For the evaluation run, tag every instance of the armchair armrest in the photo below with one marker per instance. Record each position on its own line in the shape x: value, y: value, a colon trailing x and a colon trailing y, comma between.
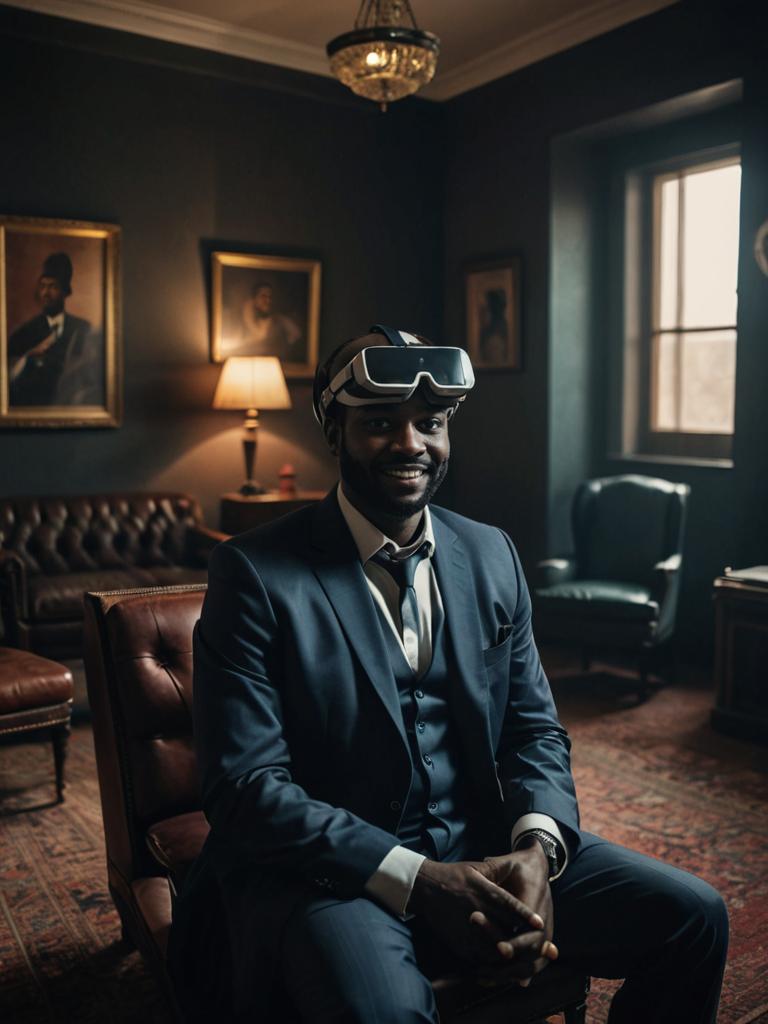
x: 554, y: 570
x: 14, y: 604
x: 201, y: 540
x: 665, y: 589
x: 664, y: 575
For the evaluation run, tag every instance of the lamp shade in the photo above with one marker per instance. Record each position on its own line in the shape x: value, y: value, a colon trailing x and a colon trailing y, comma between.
x: 252, y: 382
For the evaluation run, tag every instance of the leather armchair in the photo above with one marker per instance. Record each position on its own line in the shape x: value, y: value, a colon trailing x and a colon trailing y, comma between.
x: 52, y: 550
x: 138, y: 660
x: 619, y: 589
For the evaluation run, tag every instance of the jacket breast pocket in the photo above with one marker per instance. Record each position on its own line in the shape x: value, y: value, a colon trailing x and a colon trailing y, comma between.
x: 497, y: 662
x: 494, y: 654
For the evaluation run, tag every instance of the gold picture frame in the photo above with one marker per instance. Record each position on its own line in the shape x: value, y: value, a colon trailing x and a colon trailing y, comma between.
x: 492, y: 295
x: 60, y: 342
x: 266, y: 306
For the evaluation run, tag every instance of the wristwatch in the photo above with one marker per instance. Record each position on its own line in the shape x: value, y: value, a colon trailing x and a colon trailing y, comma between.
x: 552, y: 849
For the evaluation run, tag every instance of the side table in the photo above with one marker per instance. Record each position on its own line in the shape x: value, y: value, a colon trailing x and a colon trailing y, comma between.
x: 741, y: 653
x: 241, y: 512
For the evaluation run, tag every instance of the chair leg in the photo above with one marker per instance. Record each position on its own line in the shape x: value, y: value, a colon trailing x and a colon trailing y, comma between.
x: 643, y: 690
x: 575, y: 1014
x: 59, y: 737
x: 673, y: 664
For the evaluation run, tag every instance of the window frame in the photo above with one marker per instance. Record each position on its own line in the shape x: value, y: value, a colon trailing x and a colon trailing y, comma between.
x: 652, y: 440
x: 640, y: 218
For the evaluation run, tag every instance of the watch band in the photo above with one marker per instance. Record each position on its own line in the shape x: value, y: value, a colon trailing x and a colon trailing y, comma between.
x: 551, y: 847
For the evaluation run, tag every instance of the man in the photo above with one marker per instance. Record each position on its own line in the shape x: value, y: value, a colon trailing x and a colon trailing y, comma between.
x: 54, y: 359
x: 266, y: 332
x: 387, y: 782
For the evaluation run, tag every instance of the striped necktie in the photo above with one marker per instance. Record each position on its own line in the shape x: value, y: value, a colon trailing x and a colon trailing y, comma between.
x: 403, y: 571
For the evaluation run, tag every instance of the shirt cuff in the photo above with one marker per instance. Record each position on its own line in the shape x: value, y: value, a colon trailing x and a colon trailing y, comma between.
x: 543, y: 821
x: 391, y: 883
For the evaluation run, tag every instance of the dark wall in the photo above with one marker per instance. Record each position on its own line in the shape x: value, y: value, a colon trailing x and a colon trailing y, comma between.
x: 537, y: 433
x: 188, y: 151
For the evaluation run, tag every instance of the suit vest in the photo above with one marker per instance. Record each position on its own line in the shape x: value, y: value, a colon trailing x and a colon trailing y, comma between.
x: 434, y: 819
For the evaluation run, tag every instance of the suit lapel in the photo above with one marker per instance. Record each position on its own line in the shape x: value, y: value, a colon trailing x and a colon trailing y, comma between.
x: 470, y: 687
x: 337, y: 567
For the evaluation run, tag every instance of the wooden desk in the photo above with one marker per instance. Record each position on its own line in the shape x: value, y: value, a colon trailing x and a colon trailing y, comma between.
x: 241, y: 512
x: 741, y: 653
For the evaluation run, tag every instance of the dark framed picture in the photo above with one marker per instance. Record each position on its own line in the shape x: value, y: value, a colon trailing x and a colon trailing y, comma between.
x: 266, y: 306
x: 492, y: 291
x: 60, y: 357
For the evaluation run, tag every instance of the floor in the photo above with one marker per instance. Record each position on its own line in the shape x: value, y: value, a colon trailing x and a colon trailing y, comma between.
x: 652, y: 776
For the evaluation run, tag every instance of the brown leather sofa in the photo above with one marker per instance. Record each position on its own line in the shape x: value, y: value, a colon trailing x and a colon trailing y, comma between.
x: 138, y: 659
x: 54, y: 549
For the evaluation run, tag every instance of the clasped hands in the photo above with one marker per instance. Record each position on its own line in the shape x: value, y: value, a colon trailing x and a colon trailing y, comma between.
x: 496, y: 913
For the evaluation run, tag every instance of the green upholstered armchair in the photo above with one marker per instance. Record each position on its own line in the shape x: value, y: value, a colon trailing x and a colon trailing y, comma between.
x: 619, y: 589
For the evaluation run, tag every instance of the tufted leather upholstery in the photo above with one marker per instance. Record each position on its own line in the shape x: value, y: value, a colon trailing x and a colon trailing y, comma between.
x: 52, y: 550
x: 138, y: 659
x: 138, y: 662
x: 620, y: 587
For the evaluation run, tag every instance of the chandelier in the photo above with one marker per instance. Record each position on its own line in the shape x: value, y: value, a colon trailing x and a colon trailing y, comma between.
x: 386, y: 56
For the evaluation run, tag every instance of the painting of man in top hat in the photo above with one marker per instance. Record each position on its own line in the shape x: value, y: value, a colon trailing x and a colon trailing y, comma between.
x: 55, y: 358
x: 59, y: 329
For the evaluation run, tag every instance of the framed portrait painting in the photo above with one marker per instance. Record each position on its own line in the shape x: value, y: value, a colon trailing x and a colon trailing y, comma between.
x: 60, y: 360
x: 492, y: 292
x: 266, y: 306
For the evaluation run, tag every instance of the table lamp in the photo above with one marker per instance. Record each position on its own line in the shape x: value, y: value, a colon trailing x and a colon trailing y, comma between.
x: 251, y: 383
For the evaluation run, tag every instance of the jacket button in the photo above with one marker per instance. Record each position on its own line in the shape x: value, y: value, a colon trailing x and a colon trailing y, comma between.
x: 420, y: 726
x: 394, y: 806
x: 418, y: 694
x: 432, y: 805
x: 427, y: 759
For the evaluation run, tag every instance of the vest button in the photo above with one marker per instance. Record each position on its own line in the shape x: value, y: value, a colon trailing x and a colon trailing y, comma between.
x: 394, y: 806
x: 427, y: 759
x: 418, y: 694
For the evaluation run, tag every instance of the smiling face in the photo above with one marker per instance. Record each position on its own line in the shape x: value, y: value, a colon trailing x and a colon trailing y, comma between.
x: 392, y: 459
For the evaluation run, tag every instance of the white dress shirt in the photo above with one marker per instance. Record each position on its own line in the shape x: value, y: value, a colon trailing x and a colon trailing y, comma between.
x: 392, y: 882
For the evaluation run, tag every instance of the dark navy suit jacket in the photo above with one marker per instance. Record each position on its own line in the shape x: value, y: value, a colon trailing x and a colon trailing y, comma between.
x: 298, y: 730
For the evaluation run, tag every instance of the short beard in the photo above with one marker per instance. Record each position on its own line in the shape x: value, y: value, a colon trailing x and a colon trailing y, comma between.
x: 363, y: 484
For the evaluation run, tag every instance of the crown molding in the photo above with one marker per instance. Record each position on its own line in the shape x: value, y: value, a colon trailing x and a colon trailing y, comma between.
x: 187, y: 29
x: 208, y: 34
x: 552, y: 38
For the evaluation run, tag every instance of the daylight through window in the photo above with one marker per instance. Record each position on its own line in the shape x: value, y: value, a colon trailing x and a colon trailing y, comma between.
x: 693, y: 329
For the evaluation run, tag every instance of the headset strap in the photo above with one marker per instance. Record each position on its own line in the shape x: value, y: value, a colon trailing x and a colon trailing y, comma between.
x: 399, y: 338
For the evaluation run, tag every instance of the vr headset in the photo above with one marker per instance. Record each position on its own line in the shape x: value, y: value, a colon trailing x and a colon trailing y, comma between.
x: 386, y: 374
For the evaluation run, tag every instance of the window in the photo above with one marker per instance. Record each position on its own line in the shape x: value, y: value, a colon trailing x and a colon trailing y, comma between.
x: 695, y: 258
x: 683, y: 299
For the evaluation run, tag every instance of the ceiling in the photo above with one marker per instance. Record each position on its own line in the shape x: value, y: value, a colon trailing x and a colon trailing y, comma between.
x: 480, y: 40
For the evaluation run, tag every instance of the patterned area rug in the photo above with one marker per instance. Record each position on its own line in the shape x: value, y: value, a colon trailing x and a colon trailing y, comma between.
x: 653, y: 777
x: 656, y: 778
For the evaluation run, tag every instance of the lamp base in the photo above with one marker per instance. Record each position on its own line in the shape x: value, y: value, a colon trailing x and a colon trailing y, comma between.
x: 250, y: 440
x: 251, y: 487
